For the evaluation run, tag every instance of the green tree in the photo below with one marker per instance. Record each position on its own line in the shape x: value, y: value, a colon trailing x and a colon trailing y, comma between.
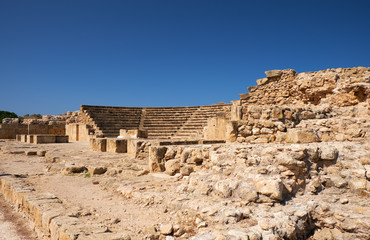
x: 6, y: 114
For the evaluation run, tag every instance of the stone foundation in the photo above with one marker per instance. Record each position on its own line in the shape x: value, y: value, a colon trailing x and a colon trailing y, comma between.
x: 42, y: 138
x: 115, y: 145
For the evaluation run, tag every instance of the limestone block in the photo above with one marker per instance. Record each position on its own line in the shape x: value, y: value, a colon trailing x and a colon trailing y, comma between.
x: 58, y: 226
x: 328, y: 153
x: 273, y: 73
x: 23, y: 138
x: 246, y: 192
x: 71, y: 168
x: 41, y: 153
x: 186, y: 170
x: 267, y: 131
x: 30, y: 138
x: 244, y: 96
x: 338, y: 181
x: 61, y: 139
x: 116, y: 145
x: 245, y: 133
x: 72, y: 131
x: 236, y: 112
x: 196, y: 157
x: 156, y: 156
x: 38, y: 139
x: 137, y: 148
x: 172, y: 166
x: 30, y: 153
x: 261, y: 81
x: 96, y: 170
x: 270, y: 187
x: 357, y: 184
x: 295, y: 135
x: 287, y: 160
x: 219, y: 128
x: 18, y: 138
x: 98, y: 144
x: 137, y: 133
x: 308, y: 115
x: 225, y: 188
x: 49, y: 214
x: 166, y: 229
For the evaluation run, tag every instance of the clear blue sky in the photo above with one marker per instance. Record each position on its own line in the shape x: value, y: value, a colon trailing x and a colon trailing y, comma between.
x: 58, y: 54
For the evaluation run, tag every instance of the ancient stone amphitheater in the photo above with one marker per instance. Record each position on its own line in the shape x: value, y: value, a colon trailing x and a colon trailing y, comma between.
x: 161, y: 122
x: 290, y: 159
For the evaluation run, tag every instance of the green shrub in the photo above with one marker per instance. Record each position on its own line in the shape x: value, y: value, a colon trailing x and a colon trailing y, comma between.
x: 6, y: 114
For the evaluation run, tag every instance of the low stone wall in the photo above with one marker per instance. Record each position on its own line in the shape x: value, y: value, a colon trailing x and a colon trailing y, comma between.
x: 140, y: 148
x: 9, y: 131
x: 42, y: 138
x: 177, y: 159
x: 48, y: 215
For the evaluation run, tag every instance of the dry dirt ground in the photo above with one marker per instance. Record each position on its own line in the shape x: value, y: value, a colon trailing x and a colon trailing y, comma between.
x: 13, y: 226
x: 88, y: 193
x: 126, y: 199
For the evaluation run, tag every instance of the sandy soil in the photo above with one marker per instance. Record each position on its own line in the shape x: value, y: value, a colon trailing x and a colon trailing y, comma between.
x: 12, y: 225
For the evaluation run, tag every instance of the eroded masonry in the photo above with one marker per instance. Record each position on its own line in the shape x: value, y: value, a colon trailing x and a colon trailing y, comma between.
x: 290, y: 159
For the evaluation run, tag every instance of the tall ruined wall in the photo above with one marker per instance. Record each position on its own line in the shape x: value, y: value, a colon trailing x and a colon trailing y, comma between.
x: 336, y: 87
x: 79, y: 126
x: 329, y: 105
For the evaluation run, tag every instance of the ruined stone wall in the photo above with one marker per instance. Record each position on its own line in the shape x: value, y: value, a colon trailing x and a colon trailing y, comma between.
x: 273, y: 123
x: 78, y: 117
x: 336, y: 87
x: 329, y: 105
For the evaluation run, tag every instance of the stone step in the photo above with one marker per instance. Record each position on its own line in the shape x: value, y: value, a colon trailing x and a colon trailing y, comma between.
x: 98, y: 112
x: 103, y: 116
x: 162, y: 128
x: 119, y: 123
x: 172, y: 129
x: 109, y: 121
x: 168, y: 119
x: 191, y: 129
x: 116, y: 120
x: 118, y: 129
x: 163, y: 124
x: 167, y: 116
x: 158, y: 123
x: 160, y: 109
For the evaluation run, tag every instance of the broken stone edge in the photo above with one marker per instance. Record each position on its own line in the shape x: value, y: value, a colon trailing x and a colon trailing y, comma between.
x: 46, y: 213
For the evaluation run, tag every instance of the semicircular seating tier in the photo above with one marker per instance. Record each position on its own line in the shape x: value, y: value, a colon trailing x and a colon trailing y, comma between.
x: 160, y: 122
